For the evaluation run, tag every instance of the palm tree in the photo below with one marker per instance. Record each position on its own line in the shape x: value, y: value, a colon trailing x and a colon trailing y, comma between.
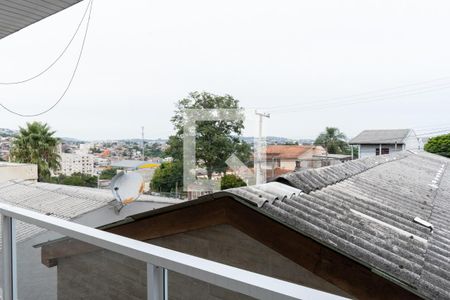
x: 333, y: 140
x: 36, y: 144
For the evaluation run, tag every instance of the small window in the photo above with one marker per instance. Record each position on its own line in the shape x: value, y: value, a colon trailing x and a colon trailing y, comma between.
x: 277, y: 162
x: 383, y: 151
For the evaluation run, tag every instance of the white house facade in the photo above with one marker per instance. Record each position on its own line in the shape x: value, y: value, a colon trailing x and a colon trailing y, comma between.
x: 385, y: 141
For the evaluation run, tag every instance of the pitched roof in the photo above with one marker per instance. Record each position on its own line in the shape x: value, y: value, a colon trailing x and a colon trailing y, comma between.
x: 376, y: 211
x: 381, y: 136
x: 366, y: 210
x: 289, y: 151
x: 62, y: 201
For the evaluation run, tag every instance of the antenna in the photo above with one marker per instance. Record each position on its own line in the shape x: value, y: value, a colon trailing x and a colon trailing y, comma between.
x: 143, y: 144
x: 260, y: 156
x: 126, y: 188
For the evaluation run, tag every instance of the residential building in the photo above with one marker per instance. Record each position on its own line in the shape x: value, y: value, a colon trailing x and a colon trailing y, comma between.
x: 292, y: 157
x: 77, y: 163
x: 84, y: 148
x: 373, y: 228
x: 385, y: 141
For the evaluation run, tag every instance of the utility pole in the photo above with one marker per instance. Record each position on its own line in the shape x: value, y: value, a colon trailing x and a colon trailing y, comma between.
x: 260, y: 150
x: 143, y: 144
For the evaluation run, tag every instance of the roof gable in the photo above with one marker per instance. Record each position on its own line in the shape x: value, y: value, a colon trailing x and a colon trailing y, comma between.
x: 381, y: 136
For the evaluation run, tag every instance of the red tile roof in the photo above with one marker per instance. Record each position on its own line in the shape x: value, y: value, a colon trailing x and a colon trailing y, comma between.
x: 289, y: 151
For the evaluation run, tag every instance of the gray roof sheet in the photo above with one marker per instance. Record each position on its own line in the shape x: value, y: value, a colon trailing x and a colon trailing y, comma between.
x: 381, y: 136
x: 62, y: 201
x: 18, y: 14
x: 365, y: 209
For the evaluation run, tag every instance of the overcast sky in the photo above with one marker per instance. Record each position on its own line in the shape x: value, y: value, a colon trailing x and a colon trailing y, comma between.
x: 289, y: 57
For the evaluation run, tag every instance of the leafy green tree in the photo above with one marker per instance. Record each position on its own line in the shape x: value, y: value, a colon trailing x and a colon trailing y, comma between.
x: 108, y: 173
x: 215, y: 140
x: 36, y: 144
x: 76, y: 179
x: 168, y: 177
x: 95, y: 150
x: 333, y: 140
x: 231, y: 181
x: 439, y: 145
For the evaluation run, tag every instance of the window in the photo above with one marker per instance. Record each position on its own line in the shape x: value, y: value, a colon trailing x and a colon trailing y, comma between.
x: 383, y: 151
x: 276, y: 162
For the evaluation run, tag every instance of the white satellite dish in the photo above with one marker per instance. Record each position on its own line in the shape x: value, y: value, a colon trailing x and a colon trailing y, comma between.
x: 126, y: 188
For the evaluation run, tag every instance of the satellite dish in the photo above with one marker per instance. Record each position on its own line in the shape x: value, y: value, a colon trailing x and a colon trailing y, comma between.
x: 127, y: 187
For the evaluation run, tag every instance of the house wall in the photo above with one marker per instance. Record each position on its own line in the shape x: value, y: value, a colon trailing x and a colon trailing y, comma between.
x: 288, y: 164
x: 370, y: 150
x: 102, y: 274
x: 291, y: 163
x: 412, y: 142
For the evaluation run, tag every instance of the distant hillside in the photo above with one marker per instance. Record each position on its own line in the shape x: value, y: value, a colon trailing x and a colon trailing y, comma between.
x: 271, y: 140
x: 147, y: 141
x: 7, y: 132
x: 70, y: 140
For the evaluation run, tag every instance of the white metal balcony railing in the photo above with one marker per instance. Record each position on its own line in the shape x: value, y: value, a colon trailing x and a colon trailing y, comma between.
x: 159, y: 261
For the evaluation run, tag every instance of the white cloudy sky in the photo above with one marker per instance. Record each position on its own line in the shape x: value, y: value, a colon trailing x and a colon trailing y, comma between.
x: 141, y: 56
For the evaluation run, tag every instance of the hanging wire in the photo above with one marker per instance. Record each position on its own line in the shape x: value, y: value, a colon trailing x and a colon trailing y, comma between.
x: 59, y: 56
x: 70, y: 81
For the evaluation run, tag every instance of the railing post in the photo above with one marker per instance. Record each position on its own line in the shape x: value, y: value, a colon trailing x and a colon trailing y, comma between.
x: 9, y: 258
x: 156, y: 283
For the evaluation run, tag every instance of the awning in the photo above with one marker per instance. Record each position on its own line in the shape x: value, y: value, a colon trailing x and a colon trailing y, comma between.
x: 18, y: 14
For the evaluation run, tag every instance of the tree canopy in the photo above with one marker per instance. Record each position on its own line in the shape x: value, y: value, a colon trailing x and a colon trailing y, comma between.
x: 216, y: 141
x: 231, y: 181
x: 153, y: 150
x: 36, y: 144
x: 333, y: 140
x: 108, y: 173
x: 439, y: 145
x: 168, y: 177
x: 76, y: 179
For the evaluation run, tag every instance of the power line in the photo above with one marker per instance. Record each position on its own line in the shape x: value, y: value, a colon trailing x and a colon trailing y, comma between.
x: 59, y: 56
x: 70, y: 81
x: 366, y: 99
x: 359, y: 95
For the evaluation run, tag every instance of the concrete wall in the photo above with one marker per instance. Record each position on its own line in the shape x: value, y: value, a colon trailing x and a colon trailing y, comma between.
x: 103, y: 274
x: 12, y: 171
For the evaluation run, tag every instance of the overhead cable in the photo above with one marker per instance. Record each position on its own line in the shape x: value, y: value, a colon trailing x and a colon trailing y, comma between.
x: 69, y: 83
